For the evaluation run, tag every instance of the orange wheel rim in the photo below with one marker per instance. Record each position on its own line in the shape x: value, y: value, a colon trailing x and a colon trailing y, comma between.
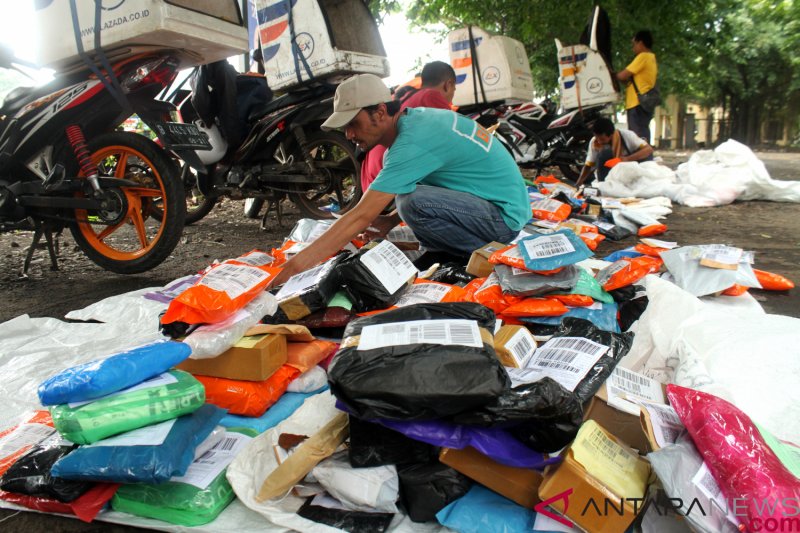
x: 129, y: 238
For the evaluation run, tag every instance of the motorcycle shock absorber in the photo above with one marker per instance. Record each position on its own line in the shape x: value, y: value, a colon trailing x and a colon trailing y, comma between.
x: 78, y: 143
x: 300, y: 135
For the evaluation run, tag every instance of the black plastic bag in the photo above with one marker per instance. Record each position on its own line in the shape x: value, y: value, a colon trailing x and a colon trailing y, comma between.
x: 606, y: 226
x: 632, y: 302
x: 353, y: 521
x: 30, y: 474
x: 426, y: 489
x: 363, y: 287
x: 299, y: 304
x: 618, y: 346
x: 376, y: 445
x: 543, y: 415
x: 422, y: 380
x: 453, y: 274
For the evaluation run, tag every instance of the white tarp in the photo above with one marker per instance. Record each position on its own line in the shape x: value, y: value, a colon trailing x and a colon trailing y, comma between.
x: 710, y: 178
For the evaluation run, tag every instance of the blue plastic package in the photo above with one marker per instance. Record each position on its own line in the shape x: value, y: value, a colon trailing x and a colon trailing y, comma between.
x: 483, y: 511
x: 619, y: 254
x: 602, y: 315
x: 548, y: 252
x: 119, y: 371
x: 283, y: 409
x: 152, y: 454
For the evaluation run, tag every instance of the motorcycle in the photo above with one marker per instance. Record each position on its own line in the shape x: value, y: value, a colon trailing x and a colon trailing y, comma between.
x: 63, y: 165
x: 275, y: 149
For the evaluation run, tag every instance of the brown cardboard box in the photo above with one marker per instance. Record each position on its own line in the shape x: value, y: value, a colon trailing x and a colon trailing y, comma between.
x: 514, y: 346
x: 583, y: 493
x: 479, y: 264
x: 253, y: 358
x: 626, y: 427
x: 516, y: 484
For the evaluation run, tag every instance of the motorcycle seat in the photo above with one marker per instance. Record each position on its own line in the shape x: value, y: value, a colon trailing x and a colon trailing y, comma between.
x: 285, y: 100
x: 16, y: 98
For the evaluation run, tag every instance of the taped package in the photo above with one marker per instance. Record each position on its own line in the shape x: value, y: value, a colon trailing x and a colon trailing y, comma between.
x: 310, y: 291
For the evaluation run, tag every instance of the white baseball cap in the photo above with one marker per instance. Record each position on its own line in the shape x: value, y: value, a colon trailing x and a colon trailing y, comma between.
x: 354, y: 94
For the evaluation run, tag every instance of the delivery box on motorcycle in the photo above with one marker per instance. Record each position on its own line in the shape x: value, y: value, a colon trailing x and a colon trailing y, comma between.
x: 584, y: 77
x: 318, y: 39
x: 200, y: 31
x: 498, y: 71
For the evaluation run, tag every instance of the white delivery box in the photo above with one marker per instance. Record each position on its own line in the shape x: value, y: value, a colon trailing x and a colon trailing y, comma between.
x: 504, y: 73
x: 200, y: 31
x: 333, y: 38
x: 584, y: 77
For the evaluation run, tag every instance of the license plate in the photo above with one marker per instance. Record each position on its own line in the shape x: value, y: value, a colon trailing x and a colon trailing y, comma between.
x: 177, y: 135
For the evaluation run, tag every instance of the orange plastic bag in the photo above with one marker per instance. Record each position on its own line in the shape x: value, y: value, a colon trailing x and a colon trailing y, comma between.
x: 220, y: 293
x: 471, y: 287
x: 285, y: 252
x: 652, y: 251
x: 578, y: 226
x: 545, y: 179
x: 631, y: 270
x: 592, y: 240
x: 572, y: 300
x: 773, y: 282
x: 651, y: 230
x: 248, y: 398
x: 549, y: 209
x: 536, y: 307
x: 491, y: 295
x: 510, y: 255
x: 735, y: 290
x: 306, y: 355
x: 611, y: 163
x: 255, y: 258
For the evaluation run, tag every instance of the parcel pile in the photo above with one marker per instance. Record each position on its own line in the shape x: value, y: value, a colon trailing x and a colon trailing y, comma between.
x: 535, y: 388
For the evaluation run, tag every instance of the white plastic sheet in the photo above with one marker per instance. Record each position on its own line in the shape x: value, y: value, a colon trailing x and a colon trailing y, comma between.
x: 739, y: 353
x: 360, y: 489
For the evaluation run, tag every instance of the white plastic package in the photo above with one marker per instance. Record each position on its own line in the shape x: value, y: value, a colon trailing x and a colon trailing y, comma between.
x: 683, y: 264
x: 374, y: 489
x: 312, y: 380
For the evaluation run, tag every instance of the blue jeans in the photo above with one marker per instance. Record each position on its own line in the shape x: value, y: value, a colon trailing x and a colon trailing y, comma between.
x: 450, y: 221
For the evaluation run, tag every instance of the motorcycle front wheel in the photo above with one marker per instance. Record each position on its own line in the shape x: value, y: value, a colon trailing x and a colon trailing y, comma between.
x: 335, y: 161
x: 128, y: 237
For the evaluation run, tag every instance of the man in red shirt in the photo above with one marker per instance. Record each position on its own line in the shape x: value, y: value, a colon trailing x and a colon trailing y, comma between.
x: 437, y: 90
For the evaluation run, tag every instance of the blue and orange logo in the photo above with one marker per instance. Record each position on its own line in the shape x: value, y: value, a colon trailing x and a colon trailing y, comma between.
x: 463, y: 62
x: 272, y: 22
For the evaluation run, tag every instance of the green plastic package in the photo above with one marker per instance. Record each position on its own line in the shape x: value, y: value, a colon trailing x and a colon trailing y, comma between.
x: 588, y: 286
x: 164, y: 397
x: 183, y: 500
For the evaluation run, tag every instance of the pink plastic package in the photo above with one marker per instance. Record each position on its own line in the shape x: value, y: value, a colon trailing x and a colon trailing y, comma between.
x: 760, y: 491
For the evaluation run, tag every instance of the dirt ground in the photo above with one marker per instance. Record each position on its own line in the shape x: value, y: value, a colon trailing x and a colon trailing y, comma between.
x: 769, y: 229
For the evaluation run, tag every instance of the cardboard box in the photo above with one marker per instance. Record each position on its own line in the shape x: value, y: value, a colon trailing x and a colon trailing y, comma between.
x: 600, y: 485
x: 517, y: 484
x: 514, y: 346
x: 253, y: 358
x: 479, y: 264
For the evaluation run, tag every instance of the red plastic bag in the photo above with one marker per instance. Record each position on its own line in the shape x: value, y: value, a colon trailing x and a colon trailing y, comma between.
x: 85, y: 507
x: 550, y: 209
x: 773, y: 282
x: 572, y: 300
x: 248, y: 398
x: 220, y: 293
x: 536, y: 307
x: 635, y: 269
x: 746, y: 469
x: 651, y: 230
x: 491, y: 295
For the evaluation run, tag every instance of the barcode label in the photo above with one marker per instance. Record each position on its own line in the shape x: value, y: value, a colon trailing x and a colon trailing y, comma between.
x: 519, y: 271
x: 256, y: 259
x: 706, y: 484
x: 234, y: 280
x: 301, y: 282
x: 666, y: 423
x: 567, y: 359
x: 548, y: 246
x: 547, y: 224
x: 600, y: 443
x: 604, y: 275
x: 423, y: 293
x: 401, y: 234
x: 521, y: 345
x: 512, y: 253
x: 23, y: 437
x: 392, y: 268
x: 721, y: 256
x: 521, y: 376
x: 208, y: 466
x: 549, y: 205
x: 442, y: 332
x: 624, y: 385
x: 605, y: 226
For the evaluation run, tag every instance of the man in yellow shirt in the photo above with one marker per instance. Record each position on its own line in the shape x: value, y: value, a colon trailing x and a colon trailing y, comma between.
x: 641, y: 74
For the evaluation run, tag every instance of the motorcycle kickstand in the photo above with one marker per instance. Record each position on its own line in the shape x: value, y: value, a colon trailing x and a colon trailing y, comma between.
x: 276, y: 203
x: 39, y: 230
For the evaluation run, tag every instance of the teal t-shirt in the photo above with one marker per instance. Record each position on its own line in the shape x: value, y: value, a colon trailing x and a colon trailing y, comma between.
x: 441, y: 148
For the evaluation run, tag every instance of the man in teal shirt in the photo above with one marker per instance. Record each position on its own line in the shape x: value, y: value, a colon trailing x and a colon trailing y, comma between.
x: 453, y: 184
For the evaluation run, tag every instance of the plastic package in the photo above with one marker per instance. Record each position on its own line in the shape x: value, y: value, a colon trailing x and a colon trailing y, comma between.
x: 773, y: 282
x: 627, y: 271
x: 612, y: 231
x: 221, y: 292
x: 418, y: 377
x: 178, y: 501
x: 119, y: 371
x: 309, y: 381
x: 523, y: 283
x: 428, y: 488
x: 330, y: 317
x: 543, y: 415
x: 376, y: 445
x: 374, y: 488
x: 248, y: 398
x: 341, y: 519
x: 86, y: 507
x: 484, y: 511
x: 622, y: 254
x: 453, y: 274
x: 31, y: 429
x: 587, y: 285
x: 376, y: 276
x: 510, y: 256
x: 308, y: 229
x: 283, y: 409
x: 688, y: 274
x: 164, y: 397
x: 742, y: 463
x: 602, y: 315
x: 491, y: 295
x: 572, y: 300
x: 536, y: 307
x: 676, y: 466
x: 592, y: 240
x: 147, y: 455
x: 30, y: 474
x: 213, y: 339
x: 547, y: 252
x: 310, y: 291
x: 551, y: 210
x: 424, y: 291
x: 306, y: 355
